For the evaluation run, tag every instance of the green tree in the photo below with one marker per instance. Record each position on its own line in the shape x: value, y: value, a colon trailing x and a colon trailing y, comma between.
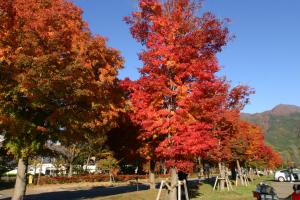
x: 110, y: 164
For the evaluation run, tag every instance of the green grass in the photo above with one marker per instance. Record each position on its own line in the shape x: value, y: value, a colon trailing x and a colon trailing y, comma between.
x: 238, y: 193
x: 198, y: 192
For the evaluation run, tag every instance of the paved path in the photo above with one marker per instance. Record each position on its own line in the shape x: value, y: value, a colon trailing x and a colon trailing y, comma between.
x: 72, y: 192
x: 284, y: 189
x: 92, y: 190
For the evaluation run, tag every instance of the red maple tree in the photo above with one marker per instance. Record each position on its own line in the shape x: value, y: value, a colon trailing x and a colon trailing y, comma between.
x: 179, y: 100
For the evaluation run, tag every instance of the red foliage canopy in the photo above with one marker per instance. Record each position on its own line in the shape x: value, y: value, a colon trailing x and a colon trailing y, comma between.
x: 244, y: 142
x: 179, y: 99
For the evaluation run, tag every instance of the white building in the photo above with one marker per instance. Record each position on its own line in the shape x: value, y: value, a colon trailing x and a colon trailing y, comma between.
x: 45, y: 169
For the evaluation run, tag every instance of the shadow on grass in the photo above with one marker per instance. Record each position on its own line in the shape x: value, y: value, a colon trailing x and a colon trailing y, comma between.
x: 84, y: 193
x: 193, y: 188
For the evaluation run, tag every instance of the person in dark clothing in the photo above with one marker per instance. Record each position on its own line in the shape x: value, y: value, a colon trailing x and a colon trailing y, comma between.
x: 290, y: 171
x: 233, y: 173
x: 206, y: 170
x: 182, y: 176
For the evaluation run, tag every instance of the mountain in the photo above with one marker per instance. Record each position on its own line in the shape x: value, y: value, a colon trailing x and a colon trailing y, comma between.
x: 282, y: 130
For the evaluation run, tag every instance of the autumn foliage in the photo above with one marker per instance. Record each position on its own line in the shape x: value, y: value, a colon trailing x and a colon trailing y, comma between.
x: 58, y: 81
x: 179, y: 101
x: 55, y: 76
x: 247, y: 145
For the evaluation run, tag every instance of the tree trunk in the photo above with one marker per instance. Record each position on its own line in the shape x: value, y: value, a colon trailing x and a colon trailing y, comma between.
x: 222, y: 175
x: 34, y: 172
x: 40, y: 171
x: 256, y: 171
x: 165, y: 170
x: 110, y: 177
x: 87, y: 162
x: 20, y: 186
x: 71, y: 162
x: 200, y: 168
x: 240, y: 172
x: 70, y: 170
x: 251, y: 174
x: 172, y: 194
x: 152, y: 174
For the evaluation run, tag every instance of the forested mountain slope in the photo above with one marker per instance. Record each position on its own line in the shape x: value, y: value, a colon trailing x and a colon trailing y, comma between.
x: 282, y: 130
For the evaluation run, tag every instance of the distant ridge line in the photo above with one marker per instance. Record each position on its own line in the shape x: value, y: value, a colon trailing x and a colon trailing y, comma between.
x: 279, y: 110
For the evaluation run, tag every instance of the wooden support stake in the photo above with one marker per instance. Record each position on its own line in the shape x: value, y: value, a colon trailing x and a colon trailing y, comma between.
x: 179, y: 190
x: 227, y: 182
x: 230, y: 184
x: 179, y: 183
x: 217, y: 178
x: 160, y: 189
x: 185, y: 190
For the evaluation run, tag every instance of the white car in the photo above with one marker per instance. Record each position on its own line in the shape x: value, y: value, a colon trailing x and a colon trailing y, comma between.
x: 283, y: 175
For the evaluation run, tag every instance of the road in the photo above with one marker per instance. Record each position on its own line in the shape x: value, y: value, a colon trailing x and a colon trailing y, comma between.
x: 72, y: 191
x: 92, y: 190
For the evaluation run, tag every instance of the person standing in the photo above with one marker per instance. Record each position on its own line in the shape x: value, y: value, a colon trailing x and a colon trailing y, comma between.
x: 206, y: 170
x: 290, y: 171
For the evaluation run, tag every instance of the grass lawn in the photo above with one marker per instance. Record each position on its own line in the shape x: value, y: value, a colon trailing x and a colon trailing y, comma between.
x: 203, y: 192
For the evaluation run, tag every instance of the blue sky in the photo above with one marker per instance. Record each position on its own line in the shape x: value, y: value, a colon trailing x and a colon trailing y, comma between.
x: 264, y: 55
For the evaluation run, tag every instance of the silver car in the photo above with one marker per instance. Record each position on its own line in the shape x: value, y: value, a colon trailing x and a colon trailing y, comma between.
x: 283, y: 175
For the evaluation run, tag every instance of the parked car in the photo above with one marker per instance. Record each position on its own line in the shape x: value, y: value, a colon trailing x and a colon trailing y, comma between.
x: 283, y: 175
